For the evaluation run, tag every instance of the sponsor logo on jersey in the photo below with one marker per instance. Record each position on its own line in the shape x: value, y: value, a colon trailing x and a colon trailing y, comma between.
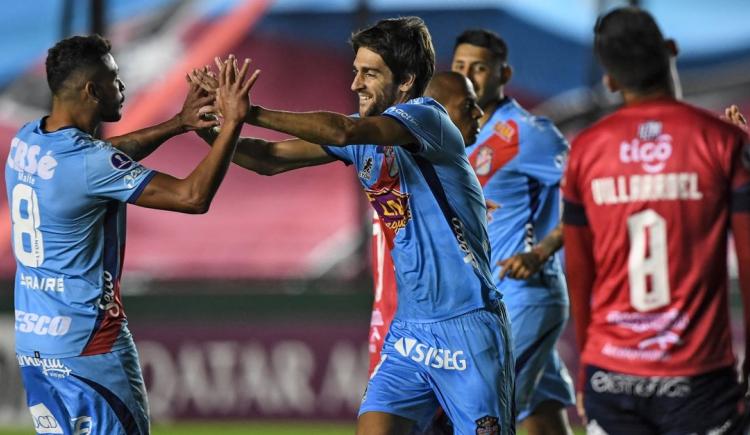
x: 47, y: 284
x: 488, y: 425
x: 505, y: 130
x: 445, y: 359
x: 133, y: 176
x: 44, y: 421
x: 108, y: 300
x: 51, y: 367
x: 366, y: 171
x: 40, y: 324
x: 120, y: 161
x: 392, y: 206
x: 458, y: 231
x: 82, y: 425
x: 26, y: 160
x: 483, y: 162
x: 640, y: 386
x: 651, y: 149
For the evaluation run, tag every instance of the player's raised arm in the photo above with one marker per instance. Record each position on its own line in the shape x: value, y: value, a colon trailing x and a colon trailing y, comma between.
x: 194, y: 193
x: 139, y: 144
x: 328, y: 128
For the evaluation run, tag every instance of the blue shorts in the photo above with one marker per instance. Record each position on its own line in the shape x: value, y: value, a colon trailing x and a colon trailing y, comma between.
x: 540, y: 373
x: 98, y: 394
x: 621, y: 404
x: 463, y: 364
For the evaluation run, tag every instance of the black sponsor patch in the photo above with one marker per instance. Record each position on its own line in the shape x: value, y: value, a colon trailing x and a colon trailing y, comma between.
x: 488, y: 425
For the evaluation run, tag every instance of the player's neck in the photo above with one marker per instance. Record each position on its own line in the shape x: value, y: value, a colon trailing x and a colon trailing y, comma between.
x: 64, y: 115
x: 490, y: 107
x: 632, y: 98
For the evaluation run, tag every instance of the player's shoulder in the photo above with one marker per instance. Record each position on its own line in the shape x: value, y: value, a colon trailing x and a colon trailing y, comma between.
x: 528, y: 123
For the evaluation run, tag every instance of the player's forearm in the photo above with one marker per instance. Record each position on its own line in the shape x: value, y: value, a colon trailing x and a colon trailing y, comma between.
x: 205, y: 179
x: 139, y: 144
x: 324, y: 128
x: 253, y: 154
x: 550, y: 244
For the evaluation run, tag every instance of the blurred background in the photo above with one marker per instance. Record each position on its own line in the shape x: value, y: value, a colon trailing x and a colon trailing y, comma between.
x: 259, y: 310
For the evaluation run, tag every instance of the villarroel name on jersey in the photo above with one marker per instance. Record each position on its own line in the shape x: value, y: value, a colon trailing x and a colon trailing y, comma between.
x: 646, y: 187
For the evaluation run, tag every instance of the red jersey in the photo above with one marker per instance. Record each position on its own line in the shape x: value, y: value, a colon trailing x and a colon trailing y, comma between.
x: 653, y: 184
x: 384, y: 285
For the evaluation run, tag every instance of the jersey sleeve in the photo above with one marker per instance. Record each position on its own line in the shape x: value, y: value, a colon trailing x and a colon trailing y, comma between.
x: 112, y: 174
x: 426, y: 123
x: 739, y: 175
x: 574, y: 212
x: 542, y: 153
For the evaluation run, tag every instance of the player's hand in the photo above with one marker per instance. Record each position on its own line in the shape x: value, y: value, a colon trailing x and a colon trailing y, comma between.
x: 233, y: 93
x: 521, y: 266
x: 196, y: 108
x: 491, y: 207
x: 733, y: 115
x: 580, y: 408
x: 205, y: 78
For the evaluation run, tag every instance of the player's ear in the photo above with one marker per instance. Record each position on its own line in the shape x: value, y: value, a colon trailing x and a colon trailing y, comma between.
x: 506, y: 72
x: 90, y: 91
x: 610, y: 83
x: 672, y: 47
x: 408, y: 82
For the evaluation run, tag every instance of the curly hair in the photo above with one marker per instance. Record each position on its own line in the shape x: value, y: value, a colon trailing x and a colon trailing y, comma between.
x: 71, y: 55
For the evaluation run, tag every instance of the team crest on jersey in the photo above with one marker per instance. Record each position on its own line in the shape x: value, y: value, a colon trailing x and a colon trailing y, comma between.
x: 366, y: 171
x: 392, y: 206
x: 488, y: 425
x: 649, y: 130
x: 505, y: 130
x: 120, y: 161
x: 483, y: 162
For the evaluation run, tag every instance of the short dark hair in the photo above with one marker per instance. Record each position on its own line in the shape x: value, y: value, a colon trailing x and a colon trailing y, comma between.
x: 632, y: 49
x: 72, y: 54
x: 405, y: 45
x: 485, y: 39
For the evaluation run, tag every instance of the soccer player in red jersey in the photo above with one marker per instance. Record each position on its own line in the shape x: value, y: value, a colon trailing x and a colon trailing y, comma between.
x: 651, y: 193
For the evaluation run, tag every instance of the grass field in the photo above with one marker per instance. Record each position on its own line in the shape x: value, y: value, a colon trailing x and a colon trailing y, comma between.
x: 248, y: 428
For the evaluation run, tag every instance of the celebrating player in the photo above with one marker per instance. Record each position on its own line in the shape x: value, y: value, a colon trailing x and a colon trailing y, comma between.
x: 651, y: 192
x: 518, y: 159
x: 67, y: 191
x: 448, y: 343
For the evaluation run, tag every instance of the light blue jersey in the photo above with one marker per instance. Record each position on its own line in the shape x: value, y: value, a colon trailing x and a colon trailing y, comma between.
x: 66, y: 192
x: 433, y: 209
x: 519, y: 160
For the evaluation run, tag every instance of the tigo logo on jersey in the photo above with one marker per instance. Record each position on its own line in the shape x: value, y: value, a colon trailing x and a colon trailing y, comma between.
x: 392, y: 206
x: 120, y: 161
x: 53, y: 368
x: 430, y: 356
x: 44, y: 421
x: 651, y: 149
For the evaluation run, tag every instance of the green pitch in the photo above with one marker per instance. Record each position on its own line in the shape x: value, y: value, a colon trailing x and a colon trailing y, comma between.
x: 244, y: 428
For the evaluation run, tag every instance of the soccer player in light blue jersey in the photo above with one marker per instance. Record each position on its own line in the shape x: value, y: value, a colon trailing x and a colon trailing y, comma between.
x: 67, y: 192
x: 449, y: 343
x: 518, y: 159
